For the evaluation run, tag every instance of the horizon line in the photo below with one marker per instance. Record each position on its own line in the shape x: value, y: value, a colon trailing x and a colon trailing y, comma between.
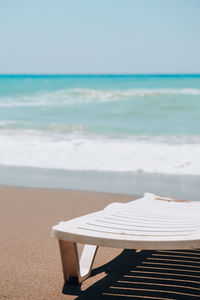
x: 96, y: 74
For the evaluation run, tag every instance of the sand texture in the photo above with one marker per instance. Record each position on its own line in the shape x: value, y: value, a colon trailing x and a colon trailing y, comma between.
x: 30, y: 266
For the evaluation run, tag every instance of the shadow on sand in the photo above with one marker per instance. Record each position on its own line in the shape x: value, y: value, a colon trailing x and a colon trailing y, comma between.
x: 145, y: 275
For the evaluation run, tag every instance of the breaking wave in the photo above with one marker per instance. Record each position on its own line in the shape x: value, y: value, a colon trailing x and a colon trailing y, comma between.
x: 32, y: 148
x: 84, y: 95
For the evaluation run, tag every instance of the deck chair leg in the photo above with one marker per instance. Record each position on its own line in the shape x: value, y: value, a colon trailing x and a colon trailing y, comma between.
x: 76, y: 271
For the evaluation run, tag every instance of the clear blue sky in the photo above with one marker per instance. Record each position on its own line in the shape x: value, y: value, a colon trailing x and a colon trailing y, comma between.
x: 99, y: 36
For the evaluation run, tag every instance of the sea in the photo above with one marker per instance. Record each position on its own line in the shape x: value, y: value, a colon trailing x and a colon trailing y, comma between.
x: 110, y: 123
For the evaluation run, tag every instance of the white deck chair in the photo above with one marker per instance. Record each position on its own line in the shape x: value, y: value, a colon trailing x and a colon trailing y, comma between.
x: 148, y: 223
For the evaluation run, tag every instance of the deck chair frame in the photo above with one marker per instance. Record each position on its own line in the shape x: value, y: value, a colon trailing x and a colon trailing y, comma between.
x: 75, y: 270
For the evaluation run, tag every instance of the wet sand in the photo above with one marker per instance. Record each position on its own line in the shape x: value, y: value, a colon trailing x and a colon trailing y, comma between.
x: 127, y: 183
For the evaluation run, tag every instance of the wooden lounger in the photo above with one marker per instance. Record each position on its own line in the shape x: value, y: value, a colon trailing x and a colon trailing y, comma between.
x: 149, y: 223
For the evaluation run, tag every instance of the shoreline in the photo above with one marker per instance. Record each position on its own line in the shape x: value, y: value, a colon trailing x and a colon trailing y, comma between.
x: 124, y: 183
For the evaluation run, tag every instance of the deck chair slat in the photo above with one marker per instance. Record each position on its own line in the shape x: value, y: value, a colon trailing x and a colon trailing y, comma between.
x: 148, y: 224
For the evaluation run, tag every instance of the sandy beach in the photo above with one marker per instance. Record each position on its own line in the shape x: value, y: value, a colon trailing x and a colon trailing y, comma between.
x: 29, y: 258
x: 30, y: 266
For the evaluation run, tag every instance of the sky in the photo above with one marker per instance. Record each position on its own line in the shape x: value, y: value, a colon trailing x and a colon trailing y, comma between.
x: 99, y: 36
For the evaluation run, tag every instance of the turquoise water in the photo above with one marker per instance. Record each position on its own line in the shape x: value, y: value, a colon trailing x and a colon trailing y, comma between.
x: 101, y: 122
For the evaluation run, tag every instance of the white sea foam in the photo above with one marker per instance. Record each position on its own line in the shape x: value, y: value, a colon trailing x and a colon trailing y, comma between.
x: 76, y: 152
x: 84, y: 95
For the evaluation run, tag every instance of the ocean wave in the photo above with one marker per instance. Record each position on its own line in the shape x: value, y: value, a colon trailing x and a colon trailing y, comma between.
x: 84, y: 95
x: 97, y: 153
x: 13, y: 127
